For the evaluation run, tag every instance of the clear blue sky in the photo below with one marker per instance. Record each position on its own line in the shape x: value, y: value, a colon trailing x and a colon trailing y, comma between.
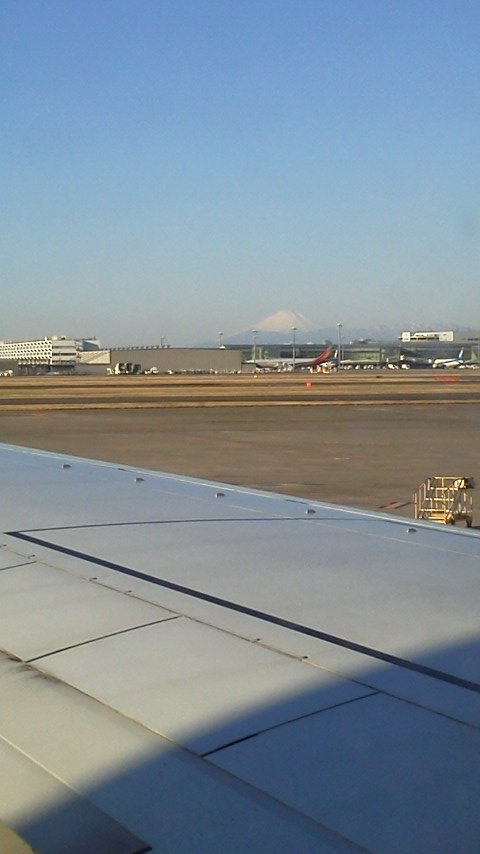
x: 178, y: 167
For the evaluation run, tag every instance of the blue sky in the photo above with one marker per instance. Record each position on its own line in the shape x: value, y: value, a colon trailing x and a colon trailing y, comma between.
x: 179, y: 167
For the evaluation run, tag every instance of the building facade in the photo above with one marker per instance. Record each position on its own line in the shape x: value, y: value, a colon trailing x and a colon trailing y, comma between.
x: 176, y: 359
x: 57, y: 353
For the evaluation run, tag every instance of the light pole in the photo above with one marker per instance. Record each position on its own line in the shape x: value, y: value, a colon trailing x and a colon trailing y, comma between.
x: 294, y: 329
x: 220, y: 340
x: 339, y: 357
x: 254, y: 355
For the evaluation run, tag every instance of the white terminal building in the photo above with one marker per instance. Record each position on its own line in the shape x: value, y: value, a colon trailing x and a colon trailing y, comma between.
x: 448, y: 335
x: 55, y: 353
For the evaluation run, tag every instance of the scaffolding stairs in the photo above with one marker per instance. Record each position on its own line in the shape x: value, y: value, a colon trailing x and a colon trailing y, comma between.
x: 445, y: 499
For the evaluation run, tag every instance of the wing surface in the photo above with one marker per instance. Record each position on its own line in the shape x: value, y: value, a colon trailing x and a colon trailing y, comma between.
x: 188, y: 666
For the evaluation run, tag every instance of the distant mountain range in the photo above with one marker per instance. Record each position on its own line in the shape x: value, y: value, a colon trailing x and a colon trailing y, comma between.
x: 278, y: 329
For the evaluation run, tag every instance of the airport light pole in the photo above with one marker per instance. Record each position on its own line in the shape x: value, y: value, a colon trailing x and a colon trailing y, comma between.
x: 294, y: 329
x: 254, y: 356
x: 339, y: 355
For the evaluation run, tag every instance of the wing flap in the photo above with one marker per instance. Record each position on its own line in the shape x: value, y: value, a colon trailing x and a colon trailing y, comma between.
x: 30, y: 797
x: 383, y: 772
x: 73, y: 769
x: 197, y: 686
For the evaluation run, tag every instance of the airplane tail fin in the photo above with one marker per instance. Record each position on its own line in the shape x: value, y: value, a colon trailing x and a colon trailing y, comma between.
x: 323, y: 356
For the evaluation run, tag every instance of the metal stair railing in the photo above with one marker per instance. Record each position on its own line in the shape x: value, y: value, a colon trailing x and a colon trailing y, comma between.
x: 445, y: 499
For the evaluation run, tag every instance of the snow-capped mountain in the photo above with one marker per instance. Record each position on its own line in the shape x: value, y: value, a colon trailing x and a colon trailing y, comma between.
x: 284, y: 321
x: 278, y: 328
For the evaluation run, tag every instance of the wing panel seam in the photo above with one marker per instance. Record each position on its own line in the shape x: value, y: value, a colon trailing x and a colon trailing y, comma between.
x: 251, y: 735
x: 273, y: 619
x: 100, y: 638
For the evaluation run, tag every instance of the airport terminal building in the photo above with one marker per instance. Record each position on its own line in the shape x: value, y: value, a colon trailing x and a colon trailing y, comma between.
x: 412, y: 348
x: 57, y: 354
x: 63, y: 355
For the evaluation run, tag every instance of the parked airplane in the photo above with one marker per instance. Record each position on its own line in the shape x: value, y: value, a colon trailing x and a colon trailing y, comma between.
x: 449, y: 363
x: 410, y: 359
x: 194, y: 667
x: 289, y: 364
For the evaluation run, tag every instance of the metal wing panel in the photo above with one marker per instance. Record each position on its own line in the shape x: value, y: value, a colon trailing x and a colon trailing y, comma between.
x: 27, y: 792
x: 345, y: 592
x: 196, y: 685
x: 67, y: 482
x: 9, y: 559
x: 43, y: 609
x: 346, y: 576
x: 255, y: 582
x: 387, y: 774
x: 80, y: 762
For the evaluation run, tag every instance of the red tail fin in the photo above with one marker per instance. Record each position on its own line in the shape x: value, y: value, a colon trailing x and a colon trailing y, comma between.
x: 324, y: 356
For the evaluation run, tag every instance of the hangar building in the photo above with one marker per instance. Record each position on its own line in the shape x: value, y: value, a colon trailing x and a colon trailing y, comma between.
x: 177, y: 359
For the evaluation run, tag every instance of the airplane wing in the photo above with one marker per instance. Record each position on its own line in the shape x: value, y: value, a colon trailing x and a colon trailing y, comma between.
x: 194, y: 667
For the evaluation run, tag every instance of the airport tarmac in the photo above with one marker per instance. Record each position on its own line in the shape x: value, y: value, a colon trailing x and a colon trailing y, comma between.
x: 274, y: 389
x: 371, y: 455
